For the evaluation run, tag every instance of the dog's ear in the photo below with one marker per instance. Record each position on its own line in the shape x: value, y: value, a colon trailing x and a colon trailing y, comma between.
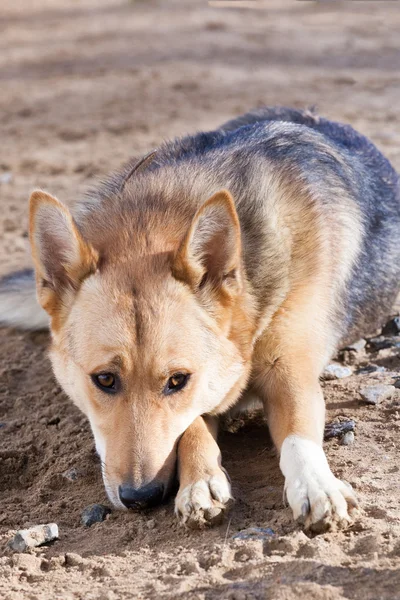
x: 210, y: 254
x: 61, y: 256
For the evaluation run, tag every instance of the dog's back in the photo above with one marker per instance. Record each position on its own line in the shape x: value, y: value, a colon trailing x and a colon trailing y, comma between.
x: 327, y: 155
x: 375, y: 278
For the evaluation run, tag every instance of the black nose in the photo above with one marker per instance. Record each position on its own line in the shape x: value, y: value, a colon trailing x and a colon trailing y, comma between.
x: 148, y: 495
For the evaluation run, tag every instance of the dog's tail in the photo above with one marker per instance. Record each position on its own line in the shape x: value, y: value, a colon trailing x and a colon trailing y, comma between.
x: 18, y: 304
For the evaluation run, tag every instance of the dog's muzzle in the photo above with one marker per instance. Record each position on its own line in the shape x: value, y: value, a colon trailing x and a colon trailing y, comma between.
x: 144, y: 497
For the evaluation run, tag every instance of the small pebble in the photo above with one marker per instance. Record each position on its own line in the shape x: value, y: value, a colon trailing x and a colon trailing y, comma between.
x: 6, y: 177
x: 348, y: 438
x: 254, y: 533
x: 392, y: 327
x: 370, y: 369
x: 338, y: 429
x: 357, y: 346
x: 151, y: 523
x: 95, y: 513
x: 375, y: 394
x: 34, y: 536
x: 397, y: 383
x: 333, y: 371
x: 71, y: 474
x: 72, y: 559
x: 379, y: 343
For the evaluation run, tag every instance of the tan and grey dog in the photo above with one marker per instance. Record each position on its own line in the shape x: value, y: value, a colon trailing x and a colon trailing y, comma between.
x: 226, y: 262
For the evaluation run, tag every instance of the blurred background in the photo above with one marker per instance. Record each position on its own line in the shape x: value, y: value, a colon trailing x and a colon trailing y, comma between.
x: 85, y: 84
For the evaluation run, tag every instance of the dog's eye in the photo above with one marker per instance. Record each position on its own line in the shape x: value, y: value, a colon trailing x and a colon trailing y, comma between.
x: 176, y: 382
x: 106, y: 382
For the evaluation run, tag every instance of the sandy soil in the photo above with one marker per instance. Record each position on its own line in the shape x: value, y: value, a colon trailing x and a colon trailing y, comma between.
x: 84, y: 85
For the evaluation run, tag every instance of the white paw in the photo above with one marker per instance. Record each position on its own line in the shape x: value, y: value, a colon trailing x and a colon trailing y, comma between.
x: 204, y: 502
x: 315, y: 495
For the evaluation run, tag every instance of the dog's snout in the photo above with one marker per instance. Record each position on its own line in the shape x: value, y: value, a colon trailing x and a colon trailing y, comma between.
x: 149, y: 495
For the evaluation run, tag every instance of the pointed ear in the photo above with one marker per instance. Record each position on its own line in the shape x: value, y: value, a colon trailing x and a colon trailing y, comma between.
x: 62, y: 257
x: 211, y: 250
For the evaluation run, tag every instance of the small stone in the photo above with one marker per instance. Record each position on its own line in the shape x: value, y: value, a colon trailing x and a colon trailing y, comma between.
x: 334, y: 371
x: 348, y: 438
x: 34, y: 536
x: 207, y: 559
x: 6, y: 177
x: 151, y: 523
x: 254, y: 533
x: 392, y: 327
x: 379, y: 343
x: 71, y: 474
x: 370, y: 369
x: 73, y: 560
x: 338, y: 429
x: 95, y: 513
x: 357, y: 346
x: 397, y: 383
x: 375, y: 394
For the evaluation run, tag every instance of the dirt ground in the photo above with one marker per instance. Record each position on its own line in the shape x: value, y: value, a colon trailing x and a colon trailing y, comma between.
x: 85, y: 84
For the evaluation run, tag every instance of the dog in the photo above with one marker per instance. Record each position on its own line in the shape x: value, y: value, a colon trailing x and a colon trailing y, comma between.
x: 225, y: 263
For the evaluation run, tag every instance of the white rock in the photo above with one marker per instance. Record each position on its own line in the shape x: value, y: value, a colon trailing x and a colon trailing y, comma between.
x: 34, y: 536
x: 334, y: 371
x: 348, y: 438
x: 357, y: 346
x: 374, y: 394
x: 6, y: 177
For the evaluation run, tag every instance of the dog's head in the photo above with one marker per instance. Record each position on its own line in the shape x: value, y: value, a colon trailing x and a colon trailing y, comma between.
x: 145, y: 341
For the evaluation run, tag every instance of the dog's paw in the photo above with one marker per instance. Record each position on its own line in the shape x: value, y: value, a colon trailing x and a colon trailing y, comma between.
x: 203, y: 502
x: 317, y: 498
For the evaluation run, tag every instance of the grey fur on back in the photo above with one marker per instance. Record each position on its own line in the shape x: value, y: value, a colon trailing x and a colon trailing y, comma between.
x: 375, y: 280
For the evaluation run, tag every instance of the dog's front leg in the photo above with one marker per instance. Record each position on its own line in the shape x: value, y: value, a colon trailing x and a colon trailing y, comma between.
x: 295, y: 411
x: 204, y: 489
